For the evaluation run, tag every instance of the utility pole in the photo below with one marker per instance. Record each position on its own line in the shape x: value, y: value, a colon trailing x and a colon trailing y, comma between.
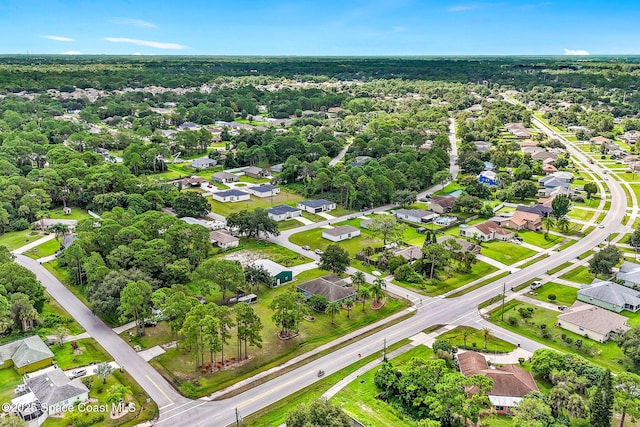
x: 237, y: 418
x: 504, y: 291
x: 384, y: 350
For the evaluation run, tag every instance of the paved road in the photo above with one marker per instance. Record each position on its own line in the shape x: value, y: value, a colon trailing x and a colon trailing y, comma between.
x: 152, y: 382
x: 453, y: 159
x: 341, y: 154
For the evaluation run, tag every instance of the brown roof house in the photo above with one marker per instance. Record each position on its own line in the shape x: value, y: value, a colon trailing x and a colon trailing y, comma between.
x: 442, y: 204
x: 592, y: 322
x: 522, y: 220
x: 331, y: 287
x: 510, y: 383
x: 256, y: 172
x: 194, y: 181
x: 485, y: 231
x: 465, y: 245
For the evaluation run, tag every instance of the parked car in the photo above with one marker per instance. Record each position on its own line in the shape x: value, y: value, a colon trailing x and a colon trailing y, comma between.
x: 535, y: 285
x: 319, y: 251
x: 149, y: 323
x: 77, y: 373
x: 306, y: 247
x: 562, y: 307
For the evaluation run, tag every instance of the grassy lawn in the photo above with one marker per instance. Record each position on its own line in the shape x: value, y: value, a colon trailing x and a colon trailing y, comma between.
x: 604, y: 355
x: 9, y: 379
x: 565, y: 295
x: 155, y: 335
x: 538, y: 239
x: 276, y: 413
x: 579, y: 274
x: 505, y: 252
x: 580, y: 214
x: 272, y: 251
x: 439, y: 287
x: 46, y: 249
x: 567, y: 244
x: 288, y: 224
x: 225, y: 209
x: 475, y: 340
x: 88, y: 351
x: 560, y: 267
x: 313, y: 217
x: 534, y: 260
x: 76, y: 213
x: 314, y: 239
x: 178, y: 365
x: 52, y: 308
x: 98, y: 390
x: 16, y: 239
x: 478, y: 285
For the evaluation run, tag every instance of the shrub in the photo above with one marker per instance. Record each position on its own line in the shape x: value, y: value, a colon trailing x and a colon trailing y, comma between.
x: 543, y: 326
x: 318, y: 303
x: 513, y: 321
x: 551, y: 297
x: 569, y: 340
x: 578, y: 343
x: 444, y: 345
x: 521, y: 360
x: 524, y: 312
x: 18, y: 224
x: 563, y: 337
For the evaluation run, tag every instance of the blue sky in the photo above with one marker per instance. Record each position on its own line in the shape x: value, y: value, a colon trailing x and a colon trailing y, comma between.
x: 326, y: 27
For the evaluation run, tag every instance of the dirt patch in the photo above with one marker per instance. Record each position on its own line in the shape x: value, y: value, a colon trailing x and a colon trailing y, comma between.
x: 377, y: 305
x: 245, y: 257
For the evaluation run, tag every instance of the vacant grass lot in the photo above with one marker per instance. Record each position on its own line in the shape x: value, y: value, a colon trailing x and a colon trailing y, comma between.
x: 288, y: 224
x: 45, y: 249
x: 154, y: 335
x: 444, y: 285
x: 565, y: 295
x: 538, y: 239
x: 604, y: 355
x: 76, y: 213
x: 52, y: 307
x: 475, y: 339
x: 179, y: 365
x: 272, y: 251
x: 580, y: 214
x: 579, y: 274
x: 314, y: 239
x: 225, y: 209
x: 505, y: 252
x: 88, y: 351
x: 16, y: 239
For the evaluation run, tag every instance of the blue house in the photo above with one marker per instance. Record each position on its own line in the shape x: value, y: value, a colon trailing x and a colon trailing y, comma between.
x: 488, y: 177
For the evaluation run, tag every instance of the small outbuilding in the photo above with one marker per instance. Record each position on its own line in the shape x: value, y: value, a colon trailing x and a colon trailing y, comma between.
x: 279, y: 273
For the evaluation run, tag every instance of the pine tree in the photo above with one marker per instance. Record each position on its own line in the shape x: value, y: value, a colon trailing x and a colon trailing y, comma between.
x: 602, y: 402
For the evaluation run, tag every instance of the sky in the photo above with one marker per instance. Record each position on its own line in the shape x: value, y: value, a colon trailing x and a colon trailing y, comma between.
x: 319, y: 28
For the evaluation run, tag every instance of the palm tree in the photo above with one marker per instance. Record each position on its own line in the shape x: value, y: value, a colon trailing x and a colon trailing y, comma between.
x: 60, y: 231
x: 42, y: 216
x: 563, y: 223
x: 103, y: 371
x: 348, y: 305
x: 548, y: 222
x: 376, y: 289
x: 486, y: 333
x: 333, y: 308
x: 364, y: 294
x: 358, y: 279
x: 465, y: 334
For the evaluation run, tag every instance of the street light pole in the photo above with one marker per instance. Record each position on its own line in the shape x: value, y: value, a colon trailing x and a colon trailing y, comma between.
x: 504, y: 291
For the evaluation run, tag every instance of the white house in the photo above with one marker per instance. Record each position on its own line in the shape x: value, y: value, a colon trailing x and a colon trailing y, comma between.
x: 592, y: 322
x: 223, y: 239
x: 224, y: 177
x: 343, y: 232
x: 283, y: 212
x: 264, y: 190
x: 231, y: 196
x: 203, y: 163
x: 415, y: 215
x: 315, y: 206
x: 485, y: 231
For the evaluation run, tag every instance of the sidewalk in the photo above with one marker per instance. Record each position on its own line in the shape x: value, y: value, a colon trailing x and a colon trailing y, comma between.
x: 33, y: 244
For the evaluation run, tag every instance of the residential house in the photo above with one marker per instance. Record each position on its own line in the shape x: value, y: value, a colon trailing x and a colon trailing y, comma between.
x: 203, y: 163
x: 360, y: 160
x: 629, y: 274
x: 255, y: 172
x: 264, y: 190
x: 231, y: 196
x: 364, y: 223
x: 488, y: 177
x: 415, y: 215
x: 224, y: 177
x: 212, y: 225
x: 283, y: 212
x: 528, y: 143
x: 630, y: 136
x: 315, y: 206
x: 426, y: 146
x: 554, y: 181
x: 599, y: 140
x: 485, y: 231
x: 592, y: 322
x: 465, y: 245
x: 26, y: 354
x: 331, y: 287
x: 611, y: 296
x: 342, y: 232
x: 279, y: 273
x: 549, y: 169
x: 442, y: 204
x: 482, y: 146
x: 189, y: 126
x: 521, y: 220
x: 277, y: 168
x: 510, y: 383
x: 545, y: 155
x: 410, y: 253
x: 194, y: 181
x: 223, y: 239
x: 539, y: 209
x: 518, y: 130
x: 51, y: 392
x: 532, y: 149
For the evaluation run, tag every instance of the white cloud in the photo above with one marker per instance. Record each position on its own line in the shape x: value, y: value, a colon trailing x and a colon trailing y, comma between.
x: 157, y: 45
x: 135, y: 22
x: 58, y: 38
x: 137, y: 53
x: 472, y: 6
x: 71, y: 52
x: 398, y: 29
x: 576, y: 52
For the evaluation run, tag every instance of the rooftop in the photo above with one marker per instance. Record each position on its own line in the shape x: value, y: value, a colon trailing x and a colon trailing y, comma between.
x: 330, y: 287
x: 233, y: 192
x: 594, y: 318
x: 508, y: 380
x: 340, y: 230
x: 316, y: 203
x: 54, y: 387
x: 282, y: 209
x: 264, y: 188
x: 222, y: 237
x: 272, y: 267
x: 612, y: 292
x: 25, y: 351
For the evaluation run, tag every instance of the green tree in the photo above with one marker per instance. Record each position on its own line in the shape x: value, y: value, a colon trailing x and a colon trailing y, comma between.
x: 590, y: 188
x: 103, y: 370
x: 134, y: 302
x: 358, y: 279
x: 436, y: 255
x: 603, y: 261
x: 376, y: 289
x: 253, y: 224
x: 190, y: 203
x: 486, y: 333
x: 333, y: 308
x: 348, y: 305
x: 524, y: 189
x: 363, y: 293
x: 249, y: 328
x: 60, y: 230
x: 318, y: 413
x: 560, y: 206
x: 627, y: 396
x: 288, y: 310
x: 116, y: 393
x: 388, y: 227
x: 547, y: 222
x: 335, y: 259
x: 22, y: 312
x: 228, y: 275
x: 533, y: 411
x: 601, y: 404
x: 563, y: 223
x: 634, y: 240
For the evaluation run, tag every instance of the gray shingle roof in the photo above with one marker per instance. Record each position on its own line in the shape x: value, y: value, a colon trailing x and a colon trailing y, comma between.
x: 417, y: 213
x: 25, y: 351
x: 55, y: 387
x: 264, y: 188
x: 594, y: 318
x: 331, y: 290
x: 316, y: 203
x: 229, y: 193
x: 282, y: 209
x: 339, y: 231
x: 612, y: 293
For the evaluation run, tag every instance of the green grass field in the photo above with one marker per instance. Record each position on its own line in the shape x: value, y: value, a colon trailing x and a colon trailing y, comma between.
x: 505, y: 252
x: 579, y: 274
x: 439, y: 287
x: 225, y: 209
x: 314, y: 239
x: 16, y: 239
x: 76, y: 213
x: 565, y: 295
x: 580, y: 214
x: 155, y: 335
x: 538, y: 239
x: 88, y: 351
x: 475, y: 340
x: 43, y: 250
